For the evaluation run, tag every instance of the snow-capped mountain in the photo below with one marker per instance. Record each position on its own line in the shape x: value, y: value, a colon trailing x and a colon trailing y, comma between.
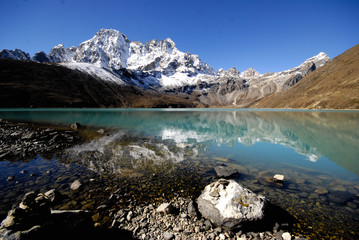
x: 110, y: 56
x: 61, y: 54
x: 113, y: 50
x: 16, y: 54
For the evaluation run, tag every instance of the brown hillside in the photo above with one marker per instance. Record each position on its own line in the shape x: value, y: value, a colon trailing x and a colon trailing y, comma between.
x: 333, y: 86
x: 30, y: 84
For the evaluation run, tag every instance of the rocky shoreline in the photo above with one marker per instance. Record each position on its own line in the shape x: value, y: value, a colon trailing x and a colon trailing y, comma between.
x: 39, y: 215
x: 34, y: 218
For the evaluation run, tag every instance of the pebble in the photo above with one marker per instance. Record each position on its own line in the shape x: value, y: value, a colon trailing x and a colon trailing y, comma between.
x: 129, y: 216
x: 286, y: 236
x: 168, y: 236
x: 100, y: 131
x: 321, y: 191
x: 165, y: 208
x: 10, y: 178
x: 75, y: 185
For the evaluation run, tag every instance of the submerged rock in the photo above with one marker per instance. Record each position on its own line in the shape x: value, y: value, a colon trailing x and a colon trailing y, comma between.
x: 225, y: 172
x: 278, y: 178
x: 228, y: 204
x: 76, y: 185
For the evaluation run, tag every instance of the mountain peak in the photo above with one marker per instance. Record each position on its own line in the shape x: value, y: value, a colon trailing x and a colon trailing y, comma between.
x: 250, y: 73
x: 232, y: 72
x: 108, y: 48
x: 15, y: 54
x: 319, y: 60
x: 61, y: 54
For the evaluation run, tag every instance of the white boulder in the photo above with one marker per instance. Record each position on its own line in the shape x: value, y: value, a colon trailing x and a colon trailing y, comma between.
x: 226, y: 203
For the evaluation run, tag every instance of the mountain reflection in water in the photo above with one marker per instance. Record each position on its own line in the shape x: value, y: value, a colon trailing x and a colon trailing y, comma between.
x: 313, y: 134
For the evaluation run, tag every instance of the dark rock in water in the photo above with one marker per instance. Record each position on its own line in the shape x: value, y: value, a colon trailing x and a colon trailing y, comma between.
x: 32, y: 210
x: 228, y: 204
x: 10, y: 178
x: 225, y: 172
x: 53, y: 196
x: 340, y: 197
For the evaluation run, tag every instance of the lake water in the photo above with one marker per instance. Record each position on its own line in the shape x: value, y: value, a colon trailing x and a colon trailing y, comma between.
x: 316, y: 151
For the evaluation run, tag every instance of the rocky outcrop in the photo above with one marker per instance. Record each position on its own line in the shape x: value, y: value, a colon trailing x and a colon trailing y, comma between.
x: 16, y: 54
x: 41, y: 57
x: 61, y: 54
x: 228, y: 204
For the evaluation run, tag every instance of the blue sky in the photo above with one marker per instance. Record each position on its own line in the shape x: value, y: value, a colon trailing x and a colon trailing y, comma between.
x: 268, y: 35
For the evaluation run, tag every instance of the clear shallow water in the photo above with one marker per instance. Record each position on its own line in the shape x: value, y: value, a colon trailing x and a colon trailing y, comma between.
x: 317, y: 151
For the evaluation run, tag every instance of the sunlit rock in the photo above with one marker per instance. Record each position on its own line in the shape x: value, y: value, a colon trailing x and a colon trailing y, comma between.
x: 228, y: 204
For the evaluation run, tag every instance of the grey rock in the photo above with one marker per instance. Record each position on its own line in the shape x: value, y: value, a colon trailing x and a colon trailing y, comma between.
x: 191, y: 209
x: 228, y: 204
x: 129, y: 216
x: 207, y: 224
x: 10, y: 235
x: 218, y: 230
x: 168, y: 236
x: 225, y: 172
x: 165, y: 208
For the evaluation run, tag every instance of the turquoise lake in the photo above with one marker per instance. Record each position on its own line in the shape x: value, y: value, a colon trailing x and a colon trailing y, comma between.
x: 316, y: 151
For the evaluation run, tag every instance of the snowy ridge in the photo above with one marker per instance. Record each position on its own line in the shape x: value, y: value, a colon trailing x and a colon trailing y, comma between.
x: 61, y: 54
x: 112, y: 50
x: 108, y: 48
x: 98, y: 72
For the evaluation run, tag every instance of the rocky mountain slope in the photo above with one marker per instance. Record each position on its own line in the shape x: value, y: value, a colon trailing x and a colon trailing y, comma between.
x: 30, y: 84
x: 334, y: 86
x: 160, y: 66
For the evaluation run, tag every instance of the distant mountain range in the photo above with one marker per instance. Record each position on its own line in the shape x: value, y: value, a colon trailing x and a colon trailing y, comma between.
x: 156, y: 68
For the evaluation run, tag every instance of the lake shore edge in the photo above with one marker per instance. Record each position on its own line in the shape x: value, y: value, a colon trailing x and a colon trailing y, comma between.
x: 188, y: 226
